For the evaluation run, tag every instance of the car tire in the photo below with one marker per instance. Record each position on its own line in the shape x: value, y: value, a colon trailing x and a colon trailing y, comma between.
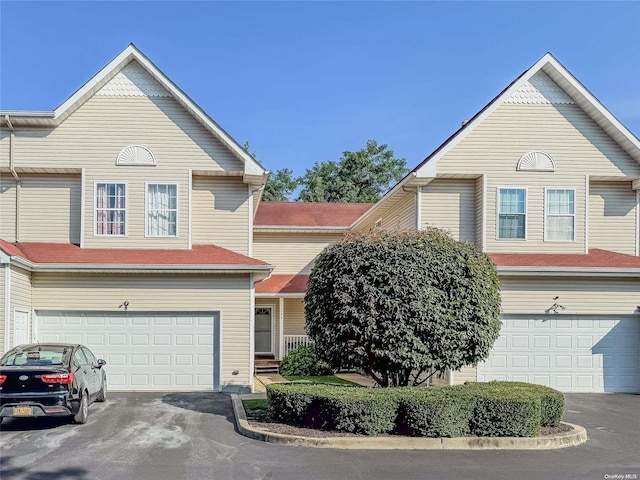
x: 102, y: 394
x: 83, y: 409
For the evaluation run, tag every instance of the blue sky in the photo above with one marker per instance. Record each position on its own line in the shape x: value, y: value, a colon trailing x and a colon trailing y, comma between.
x: 304, y: 81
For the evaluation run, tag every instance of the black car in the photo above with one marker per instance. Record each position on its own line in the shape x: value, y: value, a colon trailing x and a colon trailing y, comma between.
x: 50, y: 379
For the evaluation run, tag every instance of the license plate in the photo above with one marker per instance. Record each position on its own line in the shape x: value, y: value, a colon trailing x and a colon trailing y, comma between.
x: 23, y: 411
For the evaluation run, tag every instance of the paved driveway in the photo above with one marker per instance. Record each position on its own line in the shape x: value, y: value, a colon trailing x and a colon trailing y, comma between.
x: 191, y: 436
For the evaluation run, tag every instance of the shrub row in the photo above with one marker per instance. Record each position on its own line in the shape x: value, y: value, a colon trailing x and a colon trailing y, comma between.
x: 485, y: 409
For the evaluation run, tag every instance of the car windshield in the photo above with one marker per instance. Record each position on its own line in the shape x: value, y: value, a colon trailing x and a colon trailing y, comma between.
x: 36, y: 356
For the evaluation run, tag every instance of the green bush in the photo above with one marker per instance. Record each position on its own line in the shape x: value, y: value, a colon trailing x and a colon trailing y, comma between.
x: 494, y: 409
x: 303, y: 362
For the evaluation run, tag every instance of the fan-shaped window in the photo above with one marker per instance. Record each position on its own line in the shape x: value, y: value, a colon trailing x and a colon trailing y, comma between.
x: 536, y: 161
x: 136, y: 155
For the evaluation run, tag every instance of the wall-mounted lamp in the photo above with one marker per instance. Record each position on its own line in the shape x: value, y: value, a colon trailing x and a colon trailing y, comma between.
x: 556, y: 306
x: 124, y: 305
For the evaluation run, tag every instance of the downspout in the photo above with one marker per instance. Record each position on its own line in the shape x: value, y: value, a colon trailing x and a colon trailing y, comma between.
x: 12, y: 137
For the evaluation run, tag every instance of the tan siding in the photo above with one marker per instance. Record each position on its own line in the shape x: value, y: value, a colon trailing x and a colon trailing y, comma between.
x: 50, y: 208
x: 4, y: 147
x: 612, y: 208
x: 3, y: 269
x: 291, y: 253
x: 21, y: 296
x: 221, y: 213
x: 479, y: 202
x: 402, y: 215
x: 294, y: 316
x: 577, y: 295
x: 450, y: 204
x: 7, y: 208
x: 229, y: 294
x: 577, y: 145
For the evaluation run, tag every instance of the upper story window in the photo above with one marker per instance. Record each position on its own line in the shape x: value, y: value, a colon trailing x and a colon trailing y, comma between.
x: 560, y: 215
x: 111, y: 209
x: 512, y: 213
x: 162, y: 210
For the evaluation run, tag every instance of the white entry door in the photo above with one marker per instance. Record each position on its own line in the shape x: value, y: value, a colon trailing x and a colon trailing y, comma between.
x: 144, y: 351
x: 263, y: 330
x: 20, y: 327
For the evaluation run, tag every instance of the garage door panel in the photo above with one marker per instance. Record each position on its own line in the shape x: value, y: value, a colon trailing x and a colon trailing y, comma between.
x: 144, y: 351
x: 575, y: 353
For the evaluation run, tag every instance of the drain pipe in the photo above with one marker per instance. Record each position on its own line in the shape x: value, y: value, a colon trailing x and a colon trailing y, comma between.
x: 12, y: 139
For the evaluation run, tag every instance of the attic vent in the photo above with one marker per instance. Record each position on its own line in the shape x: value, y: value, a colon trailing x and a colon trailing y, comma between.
x: 136, y: 155
x: 536, y: 161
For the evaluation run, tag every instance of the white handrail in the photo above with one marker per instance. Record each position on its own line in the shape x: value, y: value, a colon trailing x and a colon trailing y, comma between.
x: 292, y: 342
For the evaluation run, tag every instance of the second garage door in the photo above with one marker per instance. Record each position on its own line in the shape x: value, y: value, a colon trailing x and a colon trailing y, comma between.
x: 144, y: 351
x: 579, y: 353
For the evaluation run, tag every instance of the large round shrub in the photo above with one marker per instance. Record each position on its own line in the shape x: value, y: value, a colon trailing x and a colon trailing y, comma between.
x: 398, y: 304
x: 304, y: 362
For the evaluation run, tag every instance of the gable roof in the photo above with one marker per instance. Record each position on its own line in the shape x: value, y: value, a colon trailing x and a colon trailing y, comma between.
x: 282, y: 285
x: 63, y: 256
x: 550, y: 66
x: 310, y: 215
x: 252, y: 167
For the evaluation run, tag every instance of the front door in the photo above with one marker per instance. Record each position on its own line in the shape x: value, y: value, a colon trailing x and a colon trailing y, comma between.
x: 20, y: 327
x: 263, y: 330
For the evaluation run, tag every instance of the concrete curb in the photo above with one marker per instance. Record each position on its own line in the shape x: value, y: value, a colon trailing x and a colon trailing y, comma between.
x: 561, y: 440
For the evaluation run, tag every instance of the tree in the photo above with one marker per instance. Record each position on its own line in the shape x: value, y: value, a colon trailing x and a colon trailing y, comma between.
x: 358, y: 177
x: 402, y: 304
x: 280, y: 185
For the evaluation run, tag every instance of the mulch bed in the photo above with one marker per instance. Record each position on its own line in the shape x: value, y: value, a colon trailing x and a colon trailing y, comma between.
x: 261, y: 419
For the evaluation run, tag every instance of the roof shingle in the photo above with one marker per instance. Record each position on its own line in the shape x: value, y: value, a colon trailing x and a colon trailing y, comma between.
x: 301, y: 214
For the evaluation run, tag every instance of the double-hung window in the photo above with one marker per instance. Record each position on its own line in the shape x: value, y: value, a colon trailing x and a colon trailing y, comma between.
x: 560, y: 215
x: 111, y: 208
x: 162, y: 210
x: 512, y: 213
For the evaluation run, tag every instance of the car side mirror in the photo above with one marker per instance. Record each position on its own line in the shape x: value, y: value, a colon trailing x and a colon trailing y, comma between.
x: 101, y: 363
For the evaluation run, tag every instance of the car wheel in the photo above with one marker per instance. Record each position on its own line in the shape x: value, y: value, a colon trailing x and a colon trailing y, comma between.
x: 83, y: 411
x: 102, y: 394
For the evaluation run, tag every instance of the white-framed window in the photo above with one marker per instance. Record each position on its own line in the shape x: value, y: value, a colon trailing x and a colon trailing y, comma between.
x: 512, y: 213
x: 560, y: 215
x: 110, y: 209
x: 161, y: 211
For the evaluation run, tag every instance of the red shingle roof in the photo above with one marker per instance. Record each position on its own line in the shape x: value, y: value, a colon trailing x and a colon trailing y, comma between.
x: 63, y: 253
x: 283, y: 284
x: 596, y: 258
x: 300, y: 214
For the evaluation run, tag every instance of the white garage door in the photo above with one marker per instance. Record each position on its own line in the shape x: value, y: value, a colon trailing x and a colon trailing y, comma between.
x: 577, y: 353
x: 144, y: 351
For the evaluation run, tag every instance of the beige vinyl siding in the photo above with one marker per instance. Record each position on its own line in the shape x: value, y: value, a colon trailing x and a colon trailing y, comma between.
x: 21, y: 297
x: 4, y: 147
x: 272, y: 303
x: 398, y: 212
x: 291, y: 253
x: 577, y: 145
x: 221, y: 213
x: 7, y: 208
x: 50, y: 208
x: 612, y: 208
x: 577, y: 295
x: 229, y: 294
x: 449, y: 204
x: 465, y: 374
x: 479, y: 203
x: 3, y: 269
x: 294, y: 316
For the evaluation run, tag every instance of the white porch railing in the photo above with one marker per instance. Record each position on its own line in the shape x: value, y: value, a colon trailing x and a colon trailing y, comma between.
x: 292, y: 342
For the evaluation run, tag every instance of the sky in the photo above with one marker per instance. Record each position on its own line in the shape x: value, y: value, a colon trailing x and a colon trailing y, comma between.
x: 304, y: 81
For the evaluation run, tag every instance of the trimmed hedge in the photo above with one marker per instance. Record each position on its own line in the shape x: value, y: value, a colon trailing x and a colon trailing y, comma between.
x: 304, y: 363
x: 485, y: 409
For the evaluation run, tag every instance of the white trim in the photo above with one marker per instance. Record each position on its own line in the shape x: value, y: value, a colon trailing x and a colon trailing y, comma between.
x: 190, y: 206
x: 251, y: 213
x: 283, y: 295
x: 297, y: 228
x: 126, y: 208
x: 146, y: 211
x: 637, y: 222
x: 27, y: 313
x: 483, y: 241
x: 272, y: 308
x: 419, y: 208
x: 220, y: 355
x: 34, y: 325
x: 252, y: 330
x: 281, y: 325
x: 526, y: 214
x: 545, y: 205
x: 451, y: 377
x: 120, y: 162
x: 7, y: 305
x: 536, y: 154
x: 569, y: 271
x: 587, y: 193
x: 83, y: 204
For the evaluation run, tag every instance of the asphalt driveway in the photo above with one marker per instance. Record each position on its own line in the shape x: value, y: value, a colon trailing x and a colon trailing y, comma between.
x: 191, y: 436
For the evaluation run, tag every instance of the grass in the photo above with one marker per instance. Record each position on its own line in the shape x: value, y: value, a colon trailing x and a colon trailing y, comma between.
x: 255, y: 404
x: 325, y: 379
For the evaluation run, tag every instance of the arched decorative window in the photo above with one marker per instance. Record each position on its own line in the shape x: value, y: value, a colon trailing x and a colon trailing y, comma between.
x: 136, y: 155
x: 536, y: 161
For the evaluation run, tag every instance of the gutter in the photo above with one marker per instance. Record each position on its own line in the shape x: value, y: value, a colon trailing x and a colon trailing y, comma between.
x: 297, y: 229
x: 12, y: 139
